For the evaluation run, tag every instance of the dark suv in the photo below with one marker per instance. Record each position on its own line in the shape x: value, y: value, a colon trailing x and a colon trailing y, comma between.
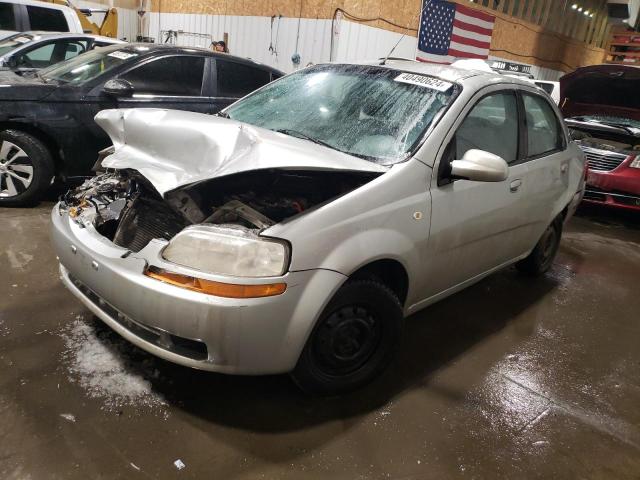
x: 46, y: 119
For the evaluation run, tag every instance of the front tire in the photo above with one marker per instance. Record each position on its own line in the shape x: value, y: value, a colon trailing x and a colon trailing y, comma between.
x: 542, y: 256
x: 355, y: 338
x: 26, y: 168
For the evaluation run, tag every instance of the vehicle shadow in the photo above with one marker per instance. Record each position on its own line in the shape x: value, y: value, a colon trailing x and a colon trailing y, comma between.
x: 433, y: 338
x: 607, y: 216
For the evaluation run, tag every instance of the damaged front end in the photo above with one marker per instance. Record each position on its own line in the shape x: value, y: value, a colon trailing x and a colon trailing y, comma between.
x: 126, y: 209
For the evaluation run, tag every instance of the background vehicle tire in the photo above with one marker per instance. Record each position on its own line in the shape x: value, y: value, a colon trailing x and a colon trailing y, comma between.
x: 26, y: 168
x: 541, y: 258
x: 355, y: 338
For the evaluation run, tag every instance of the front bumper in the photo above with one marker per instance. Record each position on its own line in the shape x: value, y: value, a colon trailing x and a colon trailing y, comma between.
x: 619, y: 188
x: 240, y: 336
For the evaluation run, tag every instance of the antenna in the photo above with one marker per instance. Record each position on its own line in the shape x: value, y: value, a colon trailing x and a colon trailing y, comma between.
x: 426, y: 5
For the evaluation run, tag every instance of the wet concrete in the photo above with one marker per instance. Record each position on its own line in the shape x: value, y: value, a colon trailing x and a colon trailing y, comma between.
x: 512, y: 378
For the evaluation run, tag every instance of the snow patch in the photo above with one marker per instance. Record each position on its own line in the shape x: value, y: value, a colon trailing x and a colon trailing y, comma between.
x: 70, y: 417
x: 103, y: 364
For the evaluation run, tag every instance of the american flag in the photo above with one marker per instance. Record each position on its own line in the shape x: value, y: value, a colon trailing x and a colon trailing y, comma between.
x: 449, y: 31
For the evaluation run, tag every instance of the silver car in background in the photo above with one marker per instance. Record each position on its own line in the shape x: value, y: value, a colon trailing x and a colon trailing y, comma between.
x: 296, y: 230
x: 30, y: 51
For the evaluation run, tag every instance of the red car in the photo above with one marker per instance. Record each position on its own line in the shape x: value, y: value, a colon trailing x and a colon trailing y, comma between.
x: 601, y: 105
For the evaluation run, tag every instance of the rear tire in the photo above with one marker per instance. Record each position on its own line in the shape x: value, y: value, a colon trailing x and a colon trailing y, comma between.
x: 542, y: 256
x: 26, y: 168
x: 354, y: 340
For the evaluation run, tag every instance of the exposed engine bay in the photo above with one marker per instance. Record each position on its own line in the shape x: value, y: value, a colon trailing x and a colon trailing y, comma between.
x: 125, y: 208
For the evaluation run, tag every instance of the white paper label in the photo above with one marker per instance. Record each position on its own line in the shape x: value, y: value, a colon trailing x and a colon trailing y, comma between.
x: 424, y: 81
x: 22, y: 39
x: 122, y: 55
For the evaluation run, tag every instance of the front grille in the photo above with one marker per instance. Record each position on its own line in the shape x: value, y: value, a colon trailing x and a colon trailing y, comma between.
x: 144, y: 220
x: 603, y: 160
x: 185, y: 347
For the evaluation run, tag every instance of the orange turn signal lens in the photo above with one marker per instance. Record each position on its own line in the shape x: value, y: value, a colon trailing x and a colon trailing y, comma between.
x: 219, y: 289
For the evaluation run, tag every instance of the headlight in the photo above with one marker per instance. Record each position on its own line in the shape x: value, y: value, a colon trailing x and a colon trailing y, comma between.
x: 635, y: 163
x: 228, y: 251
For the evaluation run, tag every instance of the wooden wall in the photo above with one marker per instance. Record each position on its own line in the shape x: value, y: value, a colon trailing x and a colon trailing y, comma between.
x: 513, y: 38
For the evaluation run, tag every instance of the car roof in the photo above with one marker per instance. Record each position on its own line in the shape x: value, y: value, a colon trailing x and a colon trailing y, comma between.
x: 155, y: 48
x: 41, y: 35
x: 449, y: 73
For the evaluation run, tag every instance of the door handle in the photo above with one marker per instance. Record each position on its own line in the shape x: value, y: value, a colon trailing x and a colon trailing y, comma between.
x: 564, y: 168
x: 515, y: 185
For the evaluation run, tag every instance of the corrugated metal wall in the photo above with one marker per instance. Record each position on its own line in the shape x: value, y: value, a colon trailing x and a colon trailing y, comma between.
x: 251, y: 37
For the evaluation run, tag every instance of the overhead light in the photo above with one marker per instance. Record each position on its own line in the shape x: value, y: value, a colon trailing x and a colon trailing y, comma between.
x: 580, y: 9
x: 574, y: 6
x: 591, y: 15
x: 586, y: 12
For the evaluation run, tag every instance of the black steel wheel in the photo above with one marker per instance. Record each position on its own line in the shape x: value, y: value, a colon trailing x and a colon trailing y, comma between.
x: 353, y: 341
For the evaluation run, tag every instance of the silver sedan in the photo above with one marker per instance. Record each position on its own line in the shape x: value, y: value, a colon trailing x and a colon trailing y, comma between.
x: 295, y: 231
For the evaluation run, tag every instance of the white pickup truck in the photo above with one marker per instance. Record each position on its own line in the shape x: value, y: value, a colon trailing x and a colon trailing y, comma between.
x: 25, y: 15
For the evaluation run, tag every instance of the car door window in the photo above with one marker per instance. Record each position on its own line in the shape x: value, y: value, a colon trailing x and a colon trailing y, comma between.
x: 544, y: 133
x: 174, y: 76
x: 39, y: 57
x: 492, y: 126
x: 7, y: 18
x: 47, y: 19
x: 238, y: 80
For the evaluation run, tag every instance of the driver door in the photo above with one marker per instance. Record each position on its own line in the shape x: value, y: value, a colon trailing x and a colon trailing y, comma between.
x: 477, y: 226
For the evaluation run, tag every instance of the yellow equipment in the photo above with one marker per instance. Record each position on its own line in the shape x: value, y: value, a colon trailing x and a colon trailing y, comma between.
x: 108, y: 27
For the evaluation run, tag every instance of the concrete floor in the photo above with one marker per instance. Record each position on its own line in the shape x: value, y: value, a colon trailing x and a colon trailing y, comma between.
x: 512, y: 378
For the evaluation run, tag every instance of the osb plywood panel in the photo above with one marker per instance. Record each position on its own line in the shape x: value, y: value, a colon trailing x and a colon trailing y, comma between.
x: 512, y: 38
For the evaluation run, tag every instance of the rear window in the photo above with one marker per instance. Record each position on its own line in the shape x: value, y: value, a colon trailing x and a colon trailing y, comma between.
x: 47, y: 19
x: 7, y: 18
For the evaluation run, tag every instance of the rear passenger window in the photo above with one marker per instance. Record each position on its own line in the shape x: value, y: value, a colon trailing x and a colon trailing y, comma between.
x: 47, y: 19
x: 544, y: 133
x: 492, y: 126
x: 177, y: 76
x: 238, y: 80
x: 7, y: 18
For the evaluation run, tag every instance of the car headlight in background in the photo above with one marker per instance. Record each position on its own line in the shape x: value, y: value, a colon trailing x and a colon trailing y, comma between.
x: 227, y: 251
x: 635, y: 163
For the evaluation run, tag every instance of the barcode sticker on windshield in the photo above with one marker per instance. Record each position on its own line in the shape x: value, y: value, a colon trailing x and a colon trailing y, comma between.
x: 424, y: 81
x: 122, y: 55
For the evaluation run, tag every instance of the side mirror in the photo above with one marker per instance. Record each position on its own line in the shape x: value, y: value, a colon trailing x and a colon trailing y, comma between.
x: 118, y: 88
x: 480, y: 166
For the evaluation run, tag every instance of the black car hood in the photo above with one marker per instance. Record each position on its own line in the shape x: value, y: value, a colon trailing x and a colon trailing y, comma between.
x: 17, y: 87
x: 611, y: 90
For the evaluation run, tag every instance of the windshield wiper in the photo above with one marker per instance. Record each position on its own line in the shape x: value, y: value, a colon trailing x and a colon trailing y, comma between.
x: 304, y: 136
x: 223, y: 115
x: 626, y: 128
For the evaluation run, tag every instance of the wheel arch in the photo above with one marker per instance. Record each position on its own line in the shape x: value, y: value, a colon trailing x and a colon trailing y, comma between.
x: 49, y: 142
x: 388, y: 271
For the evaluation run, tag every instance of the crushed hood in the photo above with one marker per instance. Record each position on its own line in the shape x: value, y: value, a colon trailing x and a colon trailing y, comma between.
x: 610, y: 90
x: 174, y: 148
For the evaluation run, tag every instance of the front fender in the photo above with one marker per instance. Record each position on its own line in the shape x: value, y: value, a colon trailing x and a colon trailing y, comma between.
x: 388, y: 218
